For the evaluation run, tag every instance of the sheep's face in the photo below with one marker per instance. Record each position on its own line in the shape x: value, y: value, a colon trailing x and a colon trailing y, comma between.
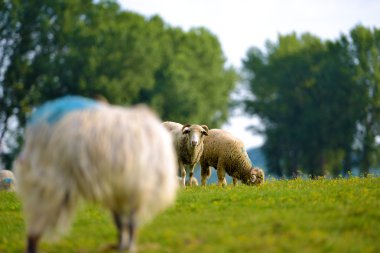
x: 257, y: 176
x: 195, y: 134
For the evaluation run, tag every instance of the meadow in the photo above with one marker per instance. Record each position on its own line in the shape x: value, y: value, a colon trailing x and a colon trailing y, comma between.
x: 324, y: 215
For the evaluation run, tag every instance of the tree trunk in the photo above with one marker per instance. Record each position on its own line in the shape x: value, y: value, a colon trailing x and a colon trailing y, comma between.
x: 347, y: 162
x: 368, y: 142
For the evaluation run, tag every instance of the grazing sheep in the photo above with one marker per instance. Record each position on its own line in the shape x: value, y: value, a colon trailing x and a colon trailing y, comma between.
x: 76, y: 148
x: 226, y: 153
x: 7, y: 180
x: 188, y: 143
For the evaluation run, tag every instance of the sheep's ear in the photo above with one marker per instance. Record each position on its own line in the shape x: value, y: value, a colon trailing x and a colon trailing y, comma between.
x: 185, y: 129
x: 205, y: 129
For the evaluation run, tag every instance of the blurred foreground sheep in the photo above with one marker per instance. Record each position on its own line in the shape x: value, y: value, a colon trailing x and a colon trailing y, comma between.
x: 7, y: 180
x: 76, y: 148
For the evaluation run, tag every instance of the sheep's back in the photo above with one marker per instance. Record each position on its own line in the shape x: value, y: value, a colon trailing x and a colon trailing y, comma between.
x: 222, y: 146
x: 172, y: 126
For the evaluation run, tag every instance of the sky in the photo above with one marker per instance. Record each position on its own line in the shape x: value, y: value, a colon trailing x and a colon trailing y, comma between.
x: 241, y: 24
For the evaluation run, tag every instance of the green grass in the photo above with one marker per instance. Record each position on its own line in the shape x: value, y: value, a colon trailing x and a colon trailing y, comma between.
x: 325, y: 215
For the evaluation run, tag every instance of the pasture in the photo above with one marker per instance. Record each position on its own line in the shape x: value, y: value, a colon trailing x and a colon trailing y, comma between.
x: 325, y: 215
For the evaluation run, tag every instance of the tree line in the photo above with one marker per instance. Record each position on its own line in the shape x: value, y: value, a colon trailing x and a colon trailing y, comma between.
x: 52, y: 48
x: 319, y: 102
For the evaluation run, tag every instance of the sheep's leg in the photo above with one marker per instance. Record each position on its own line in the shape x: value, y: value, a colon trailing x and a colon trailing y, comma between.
x: 221, y: 176
x: 44, y: 217
x: 205, y: 173
x: 235, y: 180
x: 122, y: 235
x: 32, y: 243
x: 132, y: 228
x: 183, y: 173
x: 126, y: 227
x: 191, y: 174
x: 46, y: 213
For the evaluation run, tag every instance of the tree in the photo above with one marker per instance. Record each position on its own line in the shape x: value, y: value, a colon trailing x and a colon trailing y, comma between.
x: 8, y: 26
x: 34, y: 34
x: 54, y: 48
x: 192, y: 84
x: 366, y: 54
x: 304, y: 92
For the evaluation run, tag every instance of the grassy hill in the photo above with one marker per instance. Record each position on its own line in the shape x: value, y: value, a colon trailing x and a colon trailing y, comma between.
x: 326, y: 215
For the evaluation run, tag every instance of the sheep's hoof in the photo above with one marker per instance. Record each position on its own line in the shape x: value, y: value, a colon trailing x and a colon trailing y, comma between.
x: 117, y: 247
x: 110, y: 247
x: 132, y: 248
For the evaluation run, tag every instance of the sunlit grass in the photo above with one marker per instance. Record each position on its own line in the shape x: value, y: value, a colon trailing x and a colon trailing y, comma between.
x: 325, y: 215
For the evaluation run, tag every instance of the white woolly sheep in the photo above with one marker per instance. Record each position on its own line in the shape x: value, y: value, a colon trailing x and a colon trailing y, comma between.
x: 226, y: 153
x: 7, y: 180
x: 77, y: 148
x: 188, y: 143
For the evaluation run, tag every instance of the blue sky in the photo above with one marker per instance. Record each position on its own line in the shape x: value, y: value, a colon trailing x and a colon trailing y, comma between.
x: 241, y: 24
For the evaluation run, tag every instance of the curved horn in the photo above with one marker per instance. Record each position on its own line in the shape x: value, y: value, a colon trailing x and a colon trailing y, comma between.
x: 253, y: 175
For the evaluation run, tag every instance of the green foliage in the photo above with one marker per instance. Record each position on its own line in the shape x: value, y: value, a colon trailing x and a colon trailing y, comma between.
x: 54, y: 48
x: 323, y: 215
x: 310, y: 99
x: 366, y: 53
x: 34, y: 42
x: 193, y: 72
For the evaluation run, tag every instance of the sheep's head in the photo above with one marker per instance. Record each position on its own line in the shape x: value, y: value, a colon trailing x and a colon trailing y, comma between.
x: 257, y: 176
x: 195, y: 134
